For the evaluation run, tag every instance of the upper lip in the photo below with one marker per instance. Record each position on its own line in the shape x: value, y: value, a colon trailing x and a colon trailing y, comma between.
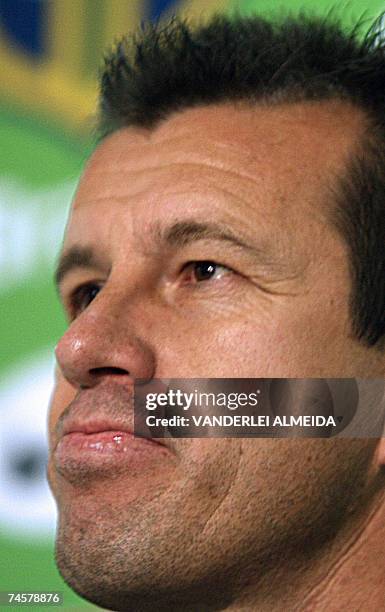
x: 90, y: 426
x: 106, y: 408
x: 99, y: 421
x: 103, y: 424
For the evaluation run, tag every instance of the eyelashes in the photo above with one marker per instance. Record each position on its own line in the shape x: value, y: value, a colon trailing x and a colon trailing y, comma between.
x: 82, y: 296
x: 192, y: 273
x: 201, y: 271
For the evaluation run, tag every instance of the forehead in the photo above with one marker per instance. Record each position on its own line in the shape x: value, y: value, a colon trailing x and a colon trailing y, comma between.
x: 286, y: 145
x: 270, y: 165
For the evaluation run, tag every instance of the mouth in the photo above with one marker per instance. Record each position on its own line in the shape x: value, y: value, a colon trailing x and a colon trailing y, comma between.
x: 95, y: 426
x: 94, y: 439
x: 105, y: 430
x: 101, y: 447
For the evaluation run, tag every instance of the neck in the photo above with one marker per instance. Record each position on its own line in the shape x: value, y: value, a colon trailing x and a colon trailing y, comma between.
x: 348, y: 574
x: 356, y: 581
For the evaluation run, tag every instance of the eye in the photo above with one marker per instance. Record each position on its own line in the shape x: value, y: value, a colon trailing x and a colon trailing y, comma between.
x: 199, y: 271
x: 82, y: 296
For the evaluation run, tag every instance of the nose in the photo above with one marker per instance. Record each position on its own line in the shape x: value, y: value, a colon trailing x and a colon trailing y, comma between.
x: 102, y: 343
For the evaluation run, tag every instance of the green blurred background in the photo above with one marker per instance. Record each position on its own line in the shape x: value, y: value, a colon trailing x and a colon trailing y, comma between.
x: 50, y: 51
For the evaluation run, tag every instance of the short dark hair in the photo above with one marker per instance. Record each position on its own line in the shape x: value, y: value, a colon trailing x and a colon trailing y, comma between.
x: 173, y: 66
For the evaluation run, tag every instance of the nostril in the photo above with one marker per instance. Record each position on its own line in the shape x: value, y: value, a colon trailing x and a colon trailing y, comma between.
x: 108, y: 371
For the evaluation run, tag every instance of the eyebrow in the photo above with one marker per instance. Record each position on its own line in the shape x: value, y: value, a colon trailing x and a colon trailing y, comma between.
x: 76, y: 257
x: 185, y: 232
x: 179, y: 234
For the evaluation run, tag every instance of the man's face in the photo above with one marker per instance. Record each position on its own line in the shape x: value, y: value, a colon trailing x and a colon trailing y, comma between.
x: 250, y: 192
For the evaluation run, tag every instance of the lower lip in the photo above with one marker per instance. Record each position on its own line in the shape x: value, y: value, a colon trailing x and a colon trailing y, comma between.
x: 105, y: 449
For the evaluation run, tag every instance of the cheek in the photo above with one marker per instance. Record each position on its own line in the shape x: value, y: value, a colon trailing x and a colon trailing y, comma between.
x: 300, y: 343
x: 63, y: 394
x: 257, y: 346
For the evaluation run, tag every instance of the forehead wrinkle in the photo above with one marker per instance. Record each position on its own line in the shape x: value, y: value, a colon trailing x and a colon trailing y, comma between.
x: 183, y: 143
x: 187, y: 152
x: 143, y: 189
x: 264, y: 129
x: 150, y: 190
x: 227, y: 223
x: 204, y: 166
